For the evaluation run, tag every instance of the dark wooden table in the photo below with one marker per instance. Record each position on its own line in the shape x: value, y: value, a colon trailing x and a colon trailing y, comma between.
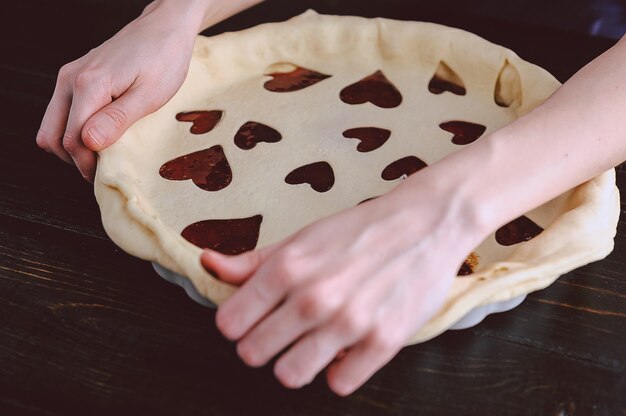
x: 86, y: 328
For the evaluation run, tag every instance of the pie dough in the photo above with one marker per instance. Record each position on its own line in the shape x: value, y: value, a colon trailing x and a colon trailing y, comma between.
x: 441, y: 76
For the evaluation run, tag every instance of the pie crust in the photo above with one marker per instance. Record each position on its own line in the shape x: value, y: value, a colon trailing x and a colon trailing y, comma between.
x: 442, y: 75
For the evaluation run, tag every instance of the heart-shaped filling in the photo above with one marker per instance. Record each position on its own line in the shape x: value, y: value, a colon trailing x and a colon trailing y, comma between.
x: 319, y: 175
x: 465, y: 269
x: 252, y: 133
x: 203, y: 121
x: 517, y: 231
x: 230, y: 237
x: 208, y: 169
x: 445, y: 79
x: 371, y: 137
x: 469, y: 265
x: 403, y: 167
x: 464, y: 132
x: 439, y: 86
x: 294, y: 80
x: 376, y: 89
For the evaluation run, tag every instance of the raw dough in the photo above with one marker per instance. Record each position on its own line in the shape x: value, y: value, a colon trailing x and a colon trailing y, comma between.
x: 442, y: 75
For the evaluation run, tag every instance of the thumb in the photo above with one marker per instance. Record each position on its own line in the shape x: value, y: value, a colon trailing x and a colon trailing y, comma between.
x: 236, y: 269
x: 110, y: 122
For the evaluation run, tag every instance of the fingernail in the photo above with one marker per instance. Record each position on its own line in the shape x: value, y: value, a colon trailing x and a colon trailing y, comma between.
x: 96, y: 136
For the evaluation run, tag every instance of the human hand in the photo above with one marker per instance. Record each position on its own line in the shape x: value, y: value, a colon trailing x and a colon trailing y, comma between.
x: 363, y: 280
x: 99, y: 96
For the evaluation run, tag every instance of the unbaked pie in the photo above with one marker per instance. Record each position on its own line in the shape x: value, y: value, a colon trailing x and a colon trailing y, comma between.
x: 285, y: 123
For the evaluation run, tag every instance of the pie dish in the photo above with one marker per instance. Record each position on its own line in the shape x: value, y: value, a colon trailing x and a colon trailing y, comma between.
x: 285, y: 123
x: 472, y: 318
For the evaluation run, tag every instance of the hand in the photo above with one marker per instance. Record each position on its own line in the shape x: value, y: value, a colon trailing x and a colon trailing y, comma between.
x: 100, y: 95
x: 363, y: 280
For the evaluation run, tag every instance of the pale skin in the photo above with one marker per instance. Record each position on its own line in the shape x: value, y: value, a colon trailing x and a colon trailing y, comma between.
x: 333, y: 311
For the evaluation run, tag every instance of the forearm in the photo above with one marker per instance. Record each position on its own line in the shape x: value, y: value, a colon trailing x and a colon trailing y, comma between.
x: 577, y: 134
x: 197, y: 15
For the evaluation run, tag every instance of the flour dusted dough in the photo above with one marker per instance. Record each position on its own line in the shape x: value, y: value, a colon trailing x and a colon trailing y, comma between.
x: 145, y: 213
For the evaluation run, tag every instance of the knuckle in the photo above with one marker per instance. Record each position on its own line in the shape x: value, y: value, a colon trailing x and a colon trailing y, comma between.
x: 69, y: 142
x: 65, y: 72
x: 292, y: 259
x: 313, y: 306
x: 383, y: 341
x: 282, y: 280
x: 353, y: 323
x: 292, y: 252
x: 42, y: 140
x: 87, y: 78
x: 286, y: 274
x: 117, y: 116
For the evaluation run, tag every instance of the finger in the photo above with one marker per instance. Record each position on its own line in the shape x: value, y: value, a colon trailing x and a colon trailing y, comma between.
x: 351, y: 323
x: 362, y: 361
x: 50, y: 134
x: 259, y: 295
x: 396, y: 321
x: 317, y: 349
x: 90, y: 95
x: 269, y: 285
x: 253, y: 301
x: 322, y: 347
x: 236, y: 269
x: 108, y: 124
x: 297, y: 315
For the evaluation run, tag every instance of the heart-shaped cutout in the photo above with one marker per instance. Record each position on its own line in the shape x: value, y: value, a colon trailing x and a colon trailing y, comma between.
x: 376, y: 89
x: 508, y: 91
x: 469, y: 265
x: 403, y: 167
x: 252, y: 133
x: 371, y: 137
x: 290, y: 78
x: 233, y: 236
x: 465, y: 269
x: 464, y: 132
x: 203, y: 121
x: 319, y: 175
x: 208, y: 169
x: 445, y: 79
x: 517, y: 231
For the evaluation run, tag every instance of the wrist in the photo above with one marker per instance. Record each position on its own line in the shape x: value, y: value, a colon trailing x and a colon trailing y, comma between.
x: 493, y: 181
x: 198, y: 15
x: 186, y: 17
x: 444, y: 196
x: 460, y: 187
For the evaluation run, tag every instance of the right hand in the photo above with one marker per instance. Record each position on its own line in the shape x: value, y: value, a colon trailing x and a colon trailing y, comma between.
x: 99, y: 96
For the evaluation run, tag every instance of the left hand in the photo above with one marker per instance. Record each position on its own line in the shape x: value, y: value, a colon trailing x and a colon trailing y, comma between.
x: 361, y: 281
x: 99, y: 96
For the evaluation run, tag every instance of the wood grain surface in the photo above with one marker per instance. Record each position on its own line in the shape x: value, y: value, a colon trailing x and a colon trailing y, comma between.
x: 88, y: 329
